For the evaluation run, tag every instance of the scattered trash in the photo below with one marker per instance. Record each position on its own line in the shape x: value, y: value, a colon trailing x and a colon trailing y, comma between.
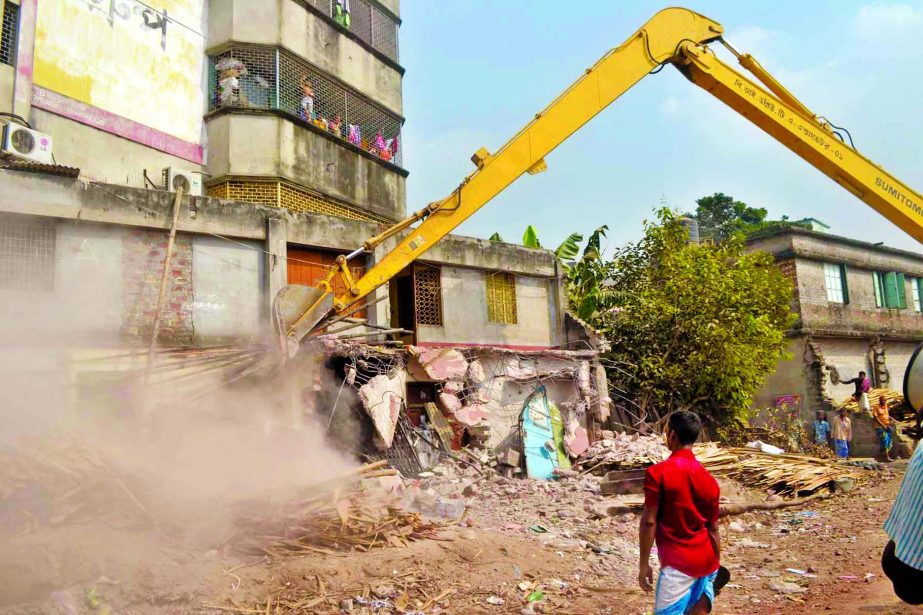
x: 536, y: 596
x: 538, y: 529
x: 737, y: 526
x: 496, y: 600
x: 801, y: 573
x: 869, y: 577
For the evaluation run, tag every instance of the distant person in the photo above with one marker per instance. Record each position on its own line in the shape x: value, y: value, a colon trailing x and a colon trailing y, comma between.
x: 861, y: 395
x: 681, y: 516
x: 841, y: 431
x: 902, y: 560
x: 821, y: 428
x: 883, y: 428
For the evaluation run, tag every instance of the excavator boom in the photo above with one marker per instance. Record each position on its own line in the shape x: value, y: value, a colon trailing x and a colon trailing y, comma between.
x: 674, y: 36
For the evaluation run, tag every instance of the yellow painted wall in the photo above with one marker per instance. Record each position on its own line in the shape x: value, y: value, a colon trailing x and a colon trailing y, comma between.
x: 102, y: 53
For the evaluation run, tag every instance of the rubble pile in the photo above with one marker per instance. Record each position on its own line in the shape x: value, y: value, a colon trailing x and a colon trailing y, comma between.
x: 567, y: 513
x: 622, y: 451
x: 349, y: 513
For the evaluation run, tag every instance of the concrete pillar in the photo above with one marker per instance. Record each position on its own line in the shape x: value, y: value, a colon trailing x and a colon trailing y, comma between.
x: 380, y: 313
x: 557, y: 306
x: 276, y: 263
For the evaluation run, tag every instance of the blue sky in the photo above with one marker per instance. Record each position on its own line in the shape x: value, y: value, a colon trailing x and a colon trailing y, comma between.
x: 477, y: 70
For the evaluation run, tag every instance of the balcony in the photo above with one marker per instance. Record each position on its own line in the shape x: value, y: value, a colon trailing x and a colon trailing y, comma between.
x: 253, y: 78
x: 366, y: 21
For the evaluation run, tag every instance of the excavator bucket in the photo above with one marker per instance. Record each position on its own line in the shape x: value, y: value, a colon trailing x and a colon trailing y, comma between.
x: 297, y: 309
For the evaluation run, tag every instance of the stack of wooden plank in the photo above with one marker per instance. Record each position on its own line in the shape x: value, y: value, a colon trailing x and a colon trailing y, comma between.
x: 789, y: 475
x: 349, y: 513
x: 894, y: 400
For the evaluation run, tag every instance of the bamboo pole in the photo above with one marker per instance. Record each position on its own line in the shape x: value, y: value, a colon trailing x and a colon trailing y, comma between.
x: 177, y: 201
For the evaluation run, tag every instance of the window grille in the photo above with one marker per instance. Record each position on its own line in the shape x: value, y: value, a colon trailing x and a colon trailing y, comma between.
x: 835, y: 281
x: 27, y: 253
x: 915, y: 287
x: 501, y: 298
x: 427, y: 294
x: 9, y: 33
x: 367, y: 22
x: 267, y: 78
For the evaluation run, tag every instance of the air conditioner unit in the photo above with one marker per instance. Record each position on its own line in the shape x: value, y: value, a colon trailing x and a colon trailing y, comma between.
x: 27, y: 144
x: 191, y: 181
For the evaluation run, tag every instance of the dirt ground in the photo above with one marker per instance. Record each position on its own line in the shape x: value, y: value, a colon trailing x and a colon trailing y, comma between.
x: 518, y: 538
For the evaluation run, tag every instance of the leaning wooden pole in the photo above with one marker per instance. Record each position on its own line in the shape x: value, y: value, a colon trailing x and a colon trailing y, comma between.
x: 164, y: 278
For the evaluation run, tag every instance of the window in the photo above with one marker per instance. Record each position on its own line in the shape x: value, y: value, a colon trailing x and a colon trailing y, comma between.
x: 835, y: 280
x: 890, y: 290
x: 915, y: 288
x: 501, y: 298
x: 27, y: 257
x: 427, y: 295
x: 879, y: 284
x: 9, y: 31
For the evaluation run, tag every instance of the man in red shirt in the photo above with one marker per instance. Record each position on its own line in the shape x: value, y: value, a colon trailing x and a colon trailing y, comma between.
x: 681, y: 514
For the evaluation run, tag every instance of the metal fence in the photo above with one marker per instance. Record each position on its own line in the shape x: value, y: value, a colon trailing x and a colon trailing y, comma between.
x: 368, y: 22
x: 9, y: 32
x: 271, y: 78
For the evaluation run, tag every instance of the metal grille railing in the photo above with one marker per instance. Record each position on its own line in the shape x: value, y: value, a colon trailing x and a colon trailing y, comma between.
x: 368, y: 22
x: 501, y: 298
x: 427, y: 294
x: 270, y: 78
x: 9, y: 32
x: 27, y: 253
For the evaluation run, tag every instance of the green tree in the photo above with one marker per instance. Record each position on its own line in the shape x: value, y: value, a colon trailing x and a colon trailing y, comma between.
x: 720, y: 216
x: 698, y: 326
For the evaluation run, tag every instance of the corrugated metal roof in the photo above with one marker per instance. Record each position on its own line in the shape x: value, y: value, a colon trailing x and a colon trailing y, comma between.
x: 28, y: 166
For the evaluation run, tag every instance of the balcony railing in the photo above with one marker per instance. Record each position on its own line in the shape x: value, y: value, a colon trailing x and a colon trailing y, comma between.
x: 368, y: 22
x: 252, y: 77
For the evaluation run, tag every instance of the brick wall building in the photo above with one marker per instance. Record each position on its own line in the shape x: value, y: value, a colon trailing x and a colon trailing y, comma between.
x: 859, y: 308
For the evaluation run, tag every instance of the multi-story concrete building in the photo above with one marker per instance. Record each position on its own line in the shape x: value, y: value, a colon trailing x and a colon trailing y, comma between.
x: 291, y: 106
x: 859, y: 308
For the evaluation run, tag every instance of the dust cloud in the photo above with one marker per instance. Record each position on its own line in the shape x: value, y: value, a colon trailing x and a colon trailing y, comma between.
x: 105, y: 480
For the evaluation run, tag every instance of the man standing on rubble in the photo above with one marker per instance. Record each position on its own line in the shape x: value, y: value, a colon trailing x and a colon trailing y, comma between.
x: 681, y: 515
x: 861, y: 395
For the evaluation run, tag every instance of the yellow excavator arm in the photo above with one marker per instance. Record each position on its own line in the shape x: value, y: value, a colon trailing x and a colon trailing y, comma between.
x: 674, y: 36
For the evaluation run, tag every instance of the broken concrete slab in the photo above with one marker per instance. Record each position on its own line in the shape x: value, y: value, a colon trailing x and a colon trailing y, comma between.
x: 472, y: 415
x: 440, y: 363
x: 453, y: 386
x: 576, y: 439
x: 382, y: 397
x: 475, y: 373
x: 450, y: 403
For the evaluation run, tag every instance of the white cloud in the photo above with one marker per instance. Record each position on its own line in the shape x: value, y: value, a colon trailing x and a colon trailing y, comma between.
x: 882, y: 20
